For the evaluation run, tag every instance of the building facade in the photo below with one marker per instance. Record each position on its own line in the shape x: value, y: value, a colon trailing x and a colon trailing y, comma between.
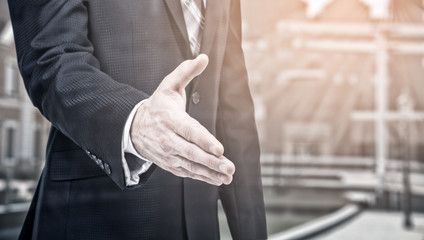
x: 23, y: 130
x: 335, y: 77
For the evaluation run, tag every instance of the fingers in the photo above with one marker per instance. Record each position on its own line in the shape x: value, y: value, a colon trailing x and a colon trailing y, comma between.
x: 185, y: 168
x: 197, y: 156
x: 197, y: 144
x: 171, y: 152
x: 185, y: 173
x: 182, y: 172
x: 185, y: 72
x: 200, y: 172
x: 192, y: 131
x: 199, y: 169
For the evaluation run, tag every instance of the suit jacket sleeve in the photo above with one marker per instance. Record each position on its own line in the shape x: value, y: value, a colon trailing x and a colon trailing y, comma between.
x: 236, y: 129
x: 64, y: 80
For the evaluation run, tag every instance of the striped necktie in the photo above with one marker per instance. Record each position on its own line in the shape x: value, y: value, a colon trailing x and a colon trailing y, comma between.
x: 194, y: 19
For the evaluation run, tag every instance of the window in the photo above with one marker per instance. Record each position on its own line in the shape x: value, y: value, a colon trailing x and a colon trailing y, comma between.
x: 11, y: 88
x: 10, y: 135
x: 9, y: 141
x: 37, y: 144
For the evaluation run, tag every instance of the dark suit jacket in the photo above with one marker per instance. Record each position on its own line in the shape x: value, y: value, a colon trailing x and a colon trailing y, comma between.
x: 86, y: 63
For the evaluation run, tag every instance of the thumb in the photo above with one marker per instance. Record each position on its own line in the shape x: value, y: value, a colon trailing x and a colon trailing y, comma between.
x: 185, y: 72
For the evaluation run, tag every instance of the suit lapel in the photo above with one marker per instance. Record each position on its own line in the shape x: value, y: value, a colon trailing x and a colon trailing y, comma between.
x: 212, y: 17
x: 212, y: 21
x: 174, y: 7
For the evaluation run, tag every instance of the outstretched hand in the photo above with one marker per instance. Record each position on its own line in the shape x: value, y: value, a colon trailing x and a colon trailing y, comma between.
x: 166, y: 135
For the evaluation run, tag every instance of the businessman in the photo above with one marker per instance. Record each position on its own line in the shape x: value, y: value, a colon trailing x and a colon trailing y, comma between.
x: 152, y: 119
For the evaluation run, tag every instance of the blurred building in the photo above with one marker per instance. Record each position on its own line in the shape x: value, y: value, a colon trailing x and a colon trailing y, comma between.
x: 23, y: 131
x: 327, y: 76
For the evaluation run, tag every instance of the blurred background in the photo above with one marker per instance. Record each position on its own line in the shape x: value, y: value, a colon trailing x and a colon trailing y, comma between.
x: 338, y: 87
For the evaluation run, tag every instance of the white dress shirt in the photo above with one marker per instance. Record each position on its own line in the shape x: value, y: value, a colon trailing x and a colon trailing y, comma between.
x: 132, y: 176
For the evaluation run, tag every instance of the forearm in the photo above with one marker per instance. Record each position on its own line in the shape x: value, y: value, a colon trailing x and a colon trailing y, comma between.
x: 64, y: 80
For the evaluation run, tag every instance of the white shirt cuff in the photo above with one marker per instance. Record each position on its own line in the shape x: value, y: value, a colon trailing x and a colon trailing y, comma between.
x: 132, y: 175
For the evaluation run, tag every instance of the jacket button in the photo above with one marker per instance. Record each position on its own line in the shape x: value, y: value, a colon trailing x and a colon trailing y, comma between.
x: 107, y: 169
x: 195, y: 97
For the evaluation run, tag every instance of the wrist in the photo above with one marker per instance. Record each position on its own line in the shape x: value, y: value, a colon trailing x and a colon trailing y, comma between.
x: 137, y: 129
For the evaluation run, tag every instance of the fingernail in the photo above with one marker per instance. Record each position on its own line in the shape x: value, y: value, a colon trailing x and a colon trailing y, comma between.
x: 220, y: 150
x: 221, y: 177
x: 216, y: 150
x: 223, y: 168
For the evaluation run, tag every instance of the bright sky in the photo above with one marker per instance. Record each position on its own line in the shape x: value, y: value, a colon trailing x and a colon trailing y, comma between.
x: 379, y: 9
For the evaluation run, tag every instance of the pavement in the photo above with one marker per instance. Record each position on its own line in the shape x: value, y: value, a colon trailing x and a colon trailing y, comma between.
x: 376, y: 225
